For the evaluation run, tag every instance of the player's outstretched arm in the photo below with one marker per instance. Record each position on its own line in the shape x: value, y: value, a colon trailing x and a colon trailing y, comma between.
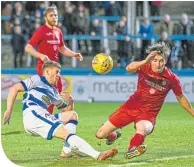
x: 11, y: 99
x: 67, y: 52
x: 30, y: 50
x: 185, y: 104
x: 133, y: 67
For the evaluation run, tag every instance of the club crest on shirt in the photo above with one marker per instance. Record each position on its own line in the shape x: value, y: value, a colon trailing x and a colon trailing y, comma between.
x: 57, y: 35
x: 163, y: 82
x: 152, y: 91
x: 55, y: 47
x: 49, y: 33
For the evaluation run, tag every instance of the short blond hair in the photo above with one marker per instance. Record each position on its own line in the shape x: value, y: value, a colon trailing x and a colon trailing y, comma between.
x: 50, y: 64
x: 50, y: 9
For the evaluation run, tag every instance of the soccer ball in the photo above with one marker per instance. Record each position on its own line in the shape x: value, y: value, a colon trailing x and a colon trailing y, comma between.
x: 102, y: 63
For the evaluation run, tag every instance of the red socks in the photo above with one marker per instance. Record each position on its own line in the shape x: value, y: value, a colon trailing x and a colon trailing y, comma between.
x: 137, y: 140
x: 112, y: 136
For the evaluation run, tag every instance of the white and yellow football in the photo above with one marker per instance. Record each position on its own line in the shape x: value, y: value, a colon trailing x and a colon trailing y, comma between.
x: 102, y: 63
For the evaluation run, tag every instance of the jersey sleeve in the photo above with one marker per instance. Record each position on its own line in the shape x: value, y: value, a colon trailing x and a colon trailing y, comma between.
x: 62, y: 43
x: 30, y: 82
x: 36, y: 38
x: 59, y: 102
x: 142, y: 69
x: 176, y: 86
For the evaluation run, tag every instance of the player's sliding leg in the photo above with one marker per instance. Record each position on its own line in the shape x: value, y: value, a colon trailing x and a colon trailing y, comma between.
x: 71, y: 125
x: 82, y: 146
x: 139, y: 150
x: 70, y: 121
x: 136, y: 146
x: 118, y: 119
x: 107, y: 131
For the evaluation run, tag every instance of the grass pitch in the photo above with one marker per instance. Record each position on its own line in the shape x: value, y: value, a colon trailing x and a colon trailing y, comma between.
x: 171, y: 143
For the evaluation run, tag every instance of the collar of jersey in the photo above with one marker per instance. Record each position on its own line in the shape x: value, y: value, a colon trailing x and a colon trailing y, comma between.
x: 43, y: 79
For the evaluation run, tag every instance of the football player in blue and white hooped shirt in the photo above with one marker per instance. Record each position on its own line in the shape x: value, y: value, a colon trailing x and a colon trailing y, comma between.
x: 39, y: 94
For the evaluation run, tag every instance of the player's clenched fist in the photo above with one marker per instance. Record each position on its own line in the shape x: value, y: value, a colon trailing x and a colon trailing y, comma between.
x: 44, y: 58
x: 79, y: 56
x: 67, y: 96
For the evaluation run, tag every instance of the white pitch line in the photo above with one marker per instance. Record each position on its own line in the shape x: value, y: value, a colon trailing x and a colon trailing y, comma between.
x: 154, y: 160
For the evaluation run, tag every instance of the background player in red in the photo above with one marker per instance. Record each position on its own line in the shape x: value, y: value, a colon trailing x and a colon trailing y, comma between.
x: 49, y: 42
x: 154, y: 82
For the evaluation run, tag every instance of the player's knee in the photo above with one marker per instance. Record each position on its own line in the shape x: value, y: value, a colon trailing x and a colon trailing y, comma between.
x: 141, y: 131
x: 140, y: 128
x: 149, y: 128
x: 100, y: 134
x: 144, y: 128
x: 74, y: 116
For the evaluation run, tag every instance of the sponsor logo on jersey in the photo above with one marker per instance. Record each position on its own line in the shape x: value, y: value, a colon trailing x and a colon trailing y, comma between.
x: 46, y: 99
x: 49, y: 33
x: 154, y: 85
x: 53, y: 42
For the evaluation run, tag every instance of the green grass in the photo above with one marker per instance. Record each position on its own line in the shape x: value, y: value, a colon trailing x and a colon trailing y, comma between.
x: 173, y: 137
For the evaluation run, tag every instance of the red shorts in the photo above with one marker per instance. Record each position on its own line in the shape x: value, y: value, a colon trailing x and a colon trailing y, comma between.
x: 59, y: 86
x: 124, y: 116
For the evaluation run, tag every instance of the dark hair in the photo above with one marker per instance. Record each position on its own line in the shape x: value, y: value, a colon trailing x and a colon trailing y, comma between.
x: 50, y: 9
x: 161, y: 48
x: 49, y: 64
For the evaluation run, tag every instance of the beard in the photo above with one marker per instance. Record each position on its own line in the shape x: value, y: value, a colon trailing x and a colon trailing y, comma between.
x: 52, y: 23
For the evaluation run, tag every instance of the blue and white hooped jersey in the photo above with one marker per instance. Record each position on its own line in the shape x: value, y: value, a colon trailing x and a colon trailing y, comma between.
x: 38, y: 91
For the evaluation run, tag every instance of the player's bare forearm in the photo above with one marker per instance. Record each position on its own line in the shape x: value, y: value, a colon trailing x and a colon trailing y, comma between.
x: 66, y: 51
x: 30, y: 50
x: 10, y: 101
x: 12, y: 95
x: 185, y: 104
x: 133, y: 67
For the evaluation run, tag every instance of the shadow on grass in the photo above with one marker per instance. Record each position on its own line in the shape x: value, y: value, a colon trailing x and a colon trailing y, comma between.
x: 13, y: 133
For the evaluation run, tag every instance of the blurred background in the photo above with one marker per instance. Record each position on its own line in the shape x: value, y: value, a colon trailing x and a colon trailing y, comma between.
x: 123, y: 29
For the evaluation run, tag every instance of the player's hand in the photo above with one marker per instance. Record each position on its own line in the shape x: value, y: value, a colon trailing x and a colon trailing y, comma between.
x: 79, y: 56
x: 44, y: 58
x: 66, y: 96
x: 150, y: 57
x: 7, y: 116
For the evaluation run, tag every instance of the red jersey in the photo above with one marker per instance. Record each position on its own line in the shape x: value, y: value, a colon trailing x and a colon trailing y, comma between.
x: 48, y: 41
x: 152, y: 90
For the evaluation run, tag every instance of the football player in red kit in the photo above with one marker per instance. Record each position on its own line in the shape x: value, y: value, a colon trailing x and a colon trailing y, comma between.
x: 154, y: 82
x: 49, y: 42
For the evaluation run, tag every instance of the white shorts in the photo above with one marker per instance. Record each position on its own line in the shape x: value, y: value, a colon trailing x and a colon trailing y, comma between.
x: 38, y: 121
